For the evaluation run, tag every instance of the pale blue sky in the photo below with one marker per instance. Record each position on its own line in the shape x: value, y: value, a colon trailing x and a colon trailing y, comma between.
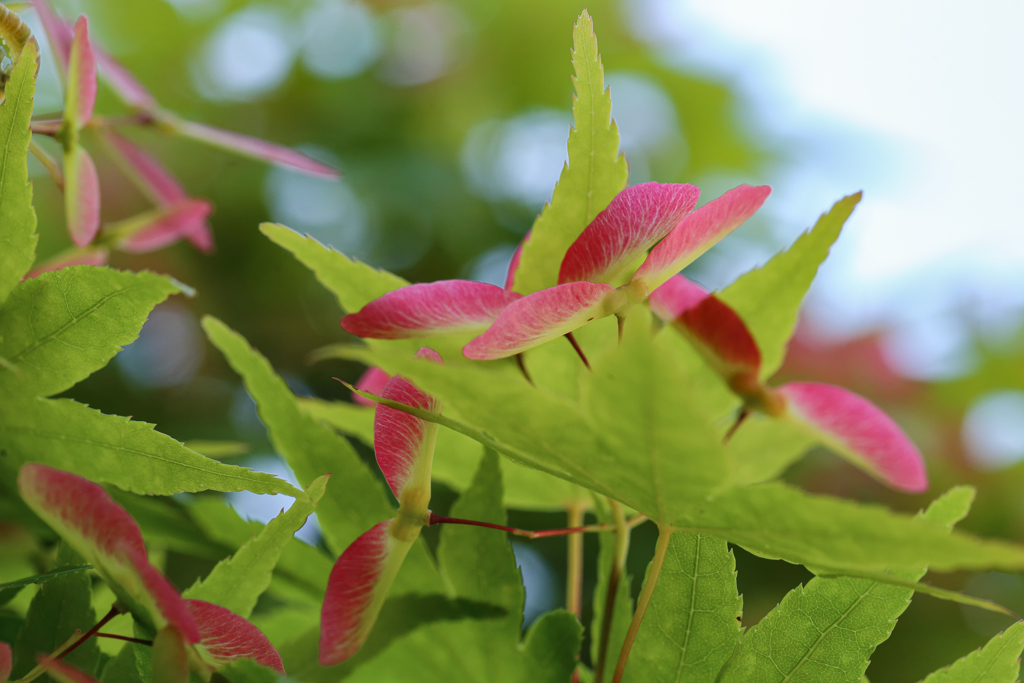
x: 919, y: 104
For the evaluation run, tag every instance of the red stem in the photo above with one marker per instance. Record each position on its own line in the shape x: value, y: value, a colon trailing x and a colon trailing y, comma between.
x: 544, y: 533
x: 736, y: 425
x: 522, y: 368
x: 50, y: 127
x: 579, y: 351
x: 91, y: 632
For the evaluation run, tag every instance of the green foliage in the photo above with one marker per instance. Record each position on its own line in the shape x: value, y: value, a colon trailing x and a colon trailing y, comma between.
x: 658, y: 438
x: 348, y: 418
x: 768, y: 298
x: 354, y: 500
x: 122, y: 668
x: 169, y: 657
x: 61, y: 606
x: 550, y: 433
x: 780, y: 521
x: 237, y: 582
x: 61, y: 327
x: 693, y: 621
x: 806, y: 638
x: 622, y: 604
x: 301, y: 571
x: 550, y: 646
x: 554, y: 435
x: 17, y: 217
x: 532, y: 426
x: 400, y: 616
x: 596, y: 171
x: 478, y: 563
x: 456, y: 457
x: 218, y: 450
x: 11, y: 588
x: 762, y: 448
x: 997, y: 662
x: 717, y: 402
x: 645, y: 427
x: 131, y: 455
x: 58, y: 328
x: 547, y: 654
x: 354, y: 284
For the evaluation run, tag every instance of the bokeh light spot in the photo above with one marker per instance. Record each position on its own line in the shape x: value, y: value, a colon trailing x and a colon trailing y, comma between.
x: 328, y: 210
x: 263, y: 508
x: 538, y: 580
x: 168, y: 351
x: 340, y: 39
x: 492, y: 265
x: 648, y: 123
x: 519, y: 159
x: 993, y: 430
x: 197, y: 10
x: 424, y: 44
x: 247, y: 56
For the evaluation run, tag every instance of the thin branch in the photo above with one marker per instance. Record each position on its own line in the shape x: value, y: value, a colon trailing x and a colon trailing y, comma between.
x: 543, y: 533
x: 614, y: 579
x: 664, y: 534
x: 736, y: 425
x: 137, y: 119
x: 49, y: 163
x: 574, y: 563
x: 51, y: 127
x: 522, y: 368
x: 38, y: 670
x: 636, y: 520
x: 114, y: 611
x: 579, y: 351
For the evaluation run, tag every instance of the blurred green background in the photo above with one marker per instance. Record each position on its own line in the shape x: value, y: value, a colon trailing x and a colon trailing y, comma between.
x: 448, y: 120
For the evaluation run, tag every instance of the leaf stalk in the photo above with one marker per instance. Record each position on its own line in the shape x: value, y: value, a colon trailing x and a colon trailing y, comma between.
x: 618, y: 569
x: 574, y: 563
x: 660, y: 551
x: 525, y: 533
x: 114, y: 611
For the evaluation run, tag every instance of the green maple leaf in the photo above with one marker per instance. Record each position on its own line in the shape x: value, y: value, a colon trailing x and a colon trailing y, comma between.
x: 238, y: 581
x: 355, y: 498
x: 456, y: 457
x: 352, y: 282
x: 10, y: 589
x: 479, y: 564
x: 112, y: 449
x: 807, y: 637
x: 548, y: 432
x: 997, y: 662
x: 62, y: 326
x: 17, y: 217
x: 768, y: 298
x: 301, y: 571
x: 62, y: 606
x: 656, y: 440
x: 595, y: 173
x: 692, y: 622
